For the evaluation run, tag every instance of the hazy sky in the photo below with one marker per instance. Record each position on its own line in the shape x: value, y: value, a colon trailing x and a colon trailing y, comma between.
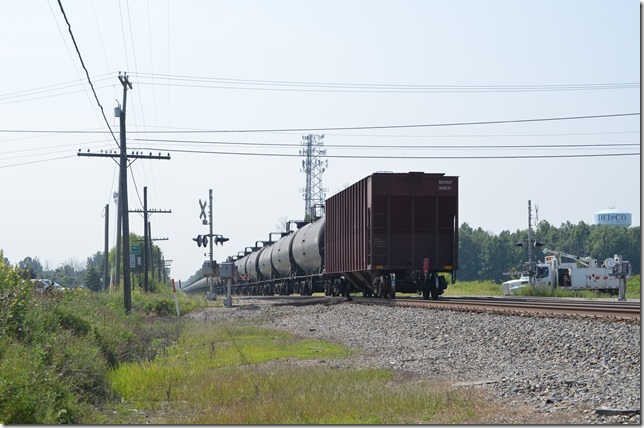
x: 273, y: 66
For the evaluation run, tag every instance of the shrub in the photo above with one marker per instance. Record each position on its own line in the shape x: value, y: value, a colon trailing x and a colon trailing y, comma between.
x: 14, y: 298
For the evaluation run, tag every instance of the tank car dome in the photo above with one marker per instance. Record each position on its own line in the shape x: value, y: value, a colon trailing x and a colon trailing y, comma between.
x: 612, y: 217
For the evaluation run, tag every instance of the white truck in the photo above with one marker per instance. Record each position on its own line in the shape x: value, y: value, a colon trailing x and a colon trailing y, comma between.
x: 581, y: 274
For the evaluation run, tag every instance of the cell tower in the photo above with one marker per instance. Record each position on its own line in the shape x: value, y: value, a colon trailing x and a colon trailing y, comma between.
x: 314, y: 194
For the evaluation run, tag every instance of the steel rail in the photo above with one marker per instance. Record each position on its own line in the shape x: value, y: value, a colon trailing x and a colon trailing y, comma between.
x: 608, y: 310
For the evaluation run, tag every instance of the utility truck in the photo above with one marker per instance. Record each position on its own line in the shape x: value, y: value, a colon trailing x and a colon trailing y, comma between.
x: 583, y: 273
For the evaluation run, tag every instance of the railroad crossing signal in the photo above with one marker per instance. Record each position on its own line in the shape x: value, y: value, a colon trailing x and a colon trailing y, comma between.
x: 202, y: 216
x: 219, y: 239
x: 202, y: 240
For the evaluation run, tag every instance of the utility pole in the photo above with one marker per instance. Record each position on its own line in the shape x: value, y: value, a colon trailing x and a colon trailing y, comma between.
x: 158, y: 254
x: 123, y: 202
x: 165, y: 266
x: 117, y: 279
x: 127, y: 291
x: 148, y: 252
x: 147, y: 246
x: 106, y: 264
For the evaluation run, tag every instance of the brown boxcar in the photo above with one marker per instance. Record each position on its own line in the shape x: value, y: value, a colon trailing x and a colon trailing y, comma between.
x: 394, y: 232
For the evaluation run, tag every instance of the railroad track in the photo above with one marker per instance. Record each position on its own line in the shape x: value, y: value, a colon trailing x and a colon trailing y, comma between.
x: 609, y: 310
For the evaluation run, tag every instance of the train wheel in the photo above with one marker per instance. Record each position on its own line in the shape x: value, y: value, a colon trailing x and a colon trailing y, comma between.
x: 392, y: 291
x: 425, y: 291
x: 434, y: 286
x: 425, y: 287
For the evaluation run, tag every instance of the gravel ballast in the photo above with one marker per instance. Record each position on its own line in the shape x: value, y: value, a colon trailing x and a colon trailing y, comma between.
x: 586, y: 368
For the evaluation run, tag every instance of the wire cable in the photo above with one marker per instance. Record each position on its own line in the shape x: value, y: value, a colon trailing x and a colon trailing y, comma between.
x: 390, y: 146
x: 344, y: 128
x: 389, y: 156
x: 277, y: 85
x: 69, y: 26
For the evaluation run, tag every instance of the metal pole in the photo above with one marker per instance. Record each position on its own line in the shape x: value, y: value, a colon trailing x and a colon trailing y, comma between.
x: 529, y: 231
x: 229, y: 296
x: 106, y: 264
x: 210, y: 279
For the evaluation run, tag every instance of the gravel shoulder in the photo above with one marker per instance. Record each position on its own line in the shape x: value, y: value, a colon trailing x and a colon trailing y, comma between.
x: 536, y: 370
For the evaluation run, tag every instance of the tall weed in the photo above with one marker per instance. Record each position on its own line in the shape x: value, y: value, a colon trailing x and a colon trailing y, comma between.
x: 57, y: 348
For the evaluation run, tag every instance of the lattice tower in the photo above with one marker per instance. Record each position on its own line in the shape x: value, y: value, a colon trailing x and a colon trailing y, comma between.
x: 313, y: 166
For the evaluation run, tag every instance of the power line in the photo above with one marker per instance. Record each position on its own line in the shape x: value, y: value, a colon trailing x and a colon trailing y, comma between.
x: 393, y: 146
x: 277, y: 85
x: 49, y: 88
x: 490, y: 122
x: 37, y: 161
x: 69, y: 26
x: 348, y: 128
x: 392, y: 157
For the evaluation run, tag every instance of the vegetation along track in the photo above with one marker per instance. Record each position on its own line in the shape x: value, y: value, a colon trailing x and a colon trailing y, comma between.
x: 541, y: 306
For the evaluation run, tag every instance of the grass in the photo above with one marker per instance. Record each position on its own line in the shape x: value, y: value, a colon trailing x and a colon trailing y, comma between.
x: 66, y: 357
x: 57, y: 348
x: 76, y: 357
x: 489, y: 288
x: 222, y: 374
x: 473, y: 288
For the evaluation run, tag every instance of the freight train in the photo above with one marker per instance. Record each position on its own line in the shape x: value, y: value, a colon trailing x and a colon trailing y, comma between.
x: 387, y: 233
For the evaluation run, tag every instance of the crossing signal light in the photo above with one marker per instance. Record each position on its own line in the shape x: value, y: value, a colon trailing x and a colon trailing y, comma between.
x: 201, y: 240
x: 220, y: 240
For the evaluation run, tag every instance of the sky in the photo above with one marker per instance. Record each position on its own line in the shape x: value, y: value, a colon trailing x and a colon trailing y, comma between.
x: 496, y: 92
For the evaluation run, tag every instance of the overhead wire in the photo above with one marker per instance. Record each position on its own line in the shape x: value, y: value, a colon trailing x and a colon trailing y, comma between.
x: 430, y: 125
x: 391, y: 156
x: 154, y: 95
x: 87, y: 72
x: 392, y: 146
x: 299, y: 86
x: 137, y: 96
x: 100, y: 36
x: 50, y: 88
x: 348, y: 128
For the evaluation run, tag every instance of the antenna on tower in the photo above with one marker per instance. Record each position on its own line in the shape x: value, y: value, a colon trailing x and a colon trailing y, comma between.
x: 313, y: 167
x: 536, y: 214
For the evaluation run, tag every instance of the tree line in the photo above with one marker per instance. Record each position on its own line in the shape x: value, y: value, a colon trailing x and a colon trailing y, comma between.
x: 73, y: 273
x: 482, y: 255
x: 486, y: 256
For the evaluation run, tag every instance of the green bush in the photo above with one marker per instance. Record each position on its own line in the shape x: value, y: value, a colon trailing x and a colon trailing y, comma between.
x: 14, y: 299
x: 159, y: 306
x: 57, y: 348
x: 32, y: 391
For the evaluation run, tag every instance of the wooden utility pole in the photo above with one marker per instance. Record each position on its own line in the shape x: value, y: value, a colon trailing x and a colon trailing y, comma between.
x: 147, y: 237
x: 125, y: 223
x: 123, y: 200
x: 106, y: 264
x: 117, y: 279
